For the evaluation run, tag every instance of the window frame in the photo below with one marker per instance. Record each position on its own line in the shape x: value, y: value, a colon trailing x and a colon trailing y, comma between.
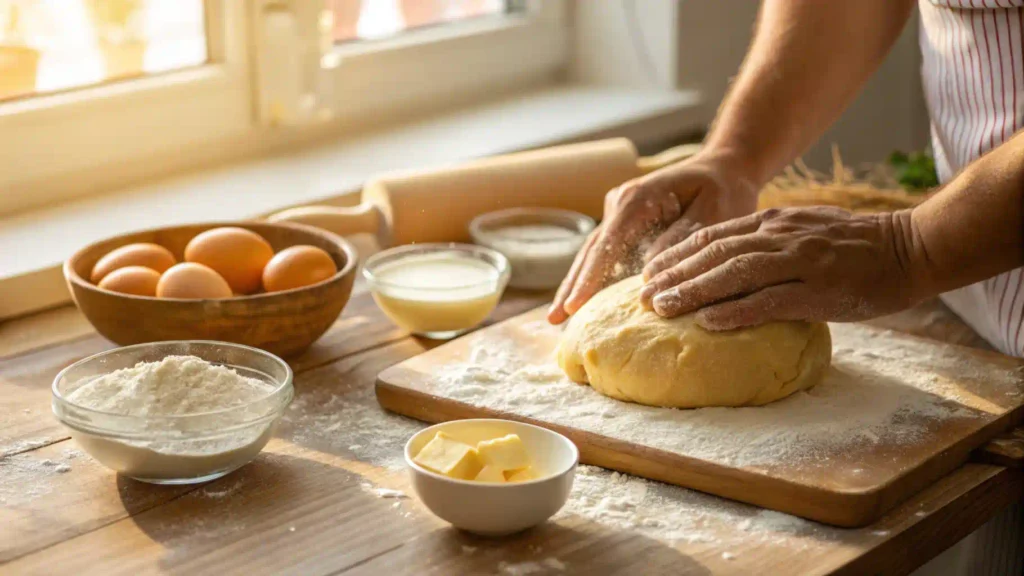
x: 51, y: 135
x: 170, y: 122
x: 445, y: 65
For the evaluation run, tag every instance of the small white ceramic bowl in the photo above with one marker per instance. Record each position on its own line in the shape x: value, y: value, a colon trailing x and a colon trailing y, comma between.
x: 497, y: 509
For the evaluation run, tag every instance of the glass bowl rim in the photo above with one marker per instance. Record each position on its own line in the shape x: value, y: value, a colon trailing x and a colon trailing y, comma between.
x: 582, y: 224
x: 284, y: 388
x: 492, y: 257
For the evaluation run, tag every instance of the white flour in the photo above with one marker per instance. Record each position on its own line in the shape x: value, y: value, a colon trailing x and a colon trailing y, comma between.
x: 498, y: 375
x: 860, y: 403
x: 25, y: 477
x: 354, y: 422
x: 674, y: 514
x: 180, y: 448
x: 173, y: 386
x: 545, y: 566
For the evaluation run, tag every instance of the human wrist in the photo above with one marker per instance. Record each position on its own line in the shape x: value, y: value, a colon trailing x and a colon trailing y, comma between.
x: 735, y: 164
x: 917, y: 279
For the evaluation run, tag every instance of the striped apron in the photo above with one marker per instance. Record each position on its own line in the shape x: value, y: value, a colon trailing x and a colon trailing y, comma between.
x: 973, y: 76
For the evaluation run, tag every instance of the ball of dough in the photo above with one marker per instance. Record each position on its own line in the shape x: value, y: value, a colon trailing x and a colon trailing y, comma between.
x: 628, y: 352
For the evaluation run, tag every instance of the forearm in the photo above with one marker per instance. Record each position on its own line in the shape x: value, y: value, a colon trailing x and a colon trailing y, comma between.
x: 807, y: 61
x: 972, y: 229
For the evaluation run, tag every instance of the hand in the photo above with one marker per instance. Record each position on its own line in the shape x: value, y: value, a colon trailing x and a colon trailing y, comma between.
x: 702, y: 190
x: 814, y: 263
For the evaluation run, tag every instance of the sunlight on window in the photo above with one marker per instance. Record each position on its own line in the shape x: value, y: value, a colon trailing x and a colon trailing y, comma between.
x: 52, y: 45
x: 371, y: 19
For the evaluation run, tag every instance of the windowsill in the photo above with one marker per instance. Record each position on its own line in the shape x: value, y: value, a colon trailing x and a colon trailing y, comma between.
x: 36, y: 242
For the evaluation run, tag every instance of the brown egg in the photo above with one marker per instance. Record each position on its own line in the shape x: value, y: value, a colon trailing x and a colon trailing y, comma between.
x: 137, y: 280
x: 152, y: 256
x: 297, y: 266
x: 237, y: 254
x: 194, y: 281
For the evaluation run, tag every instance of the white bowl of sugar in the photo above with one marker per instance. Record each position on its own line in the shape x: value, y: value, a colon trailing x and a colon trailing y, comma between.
x: 179, y: 412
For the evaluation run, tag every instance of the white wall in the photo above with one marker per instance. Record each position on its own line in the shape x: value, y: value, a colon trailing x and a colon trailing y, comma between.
x: 889, y: 114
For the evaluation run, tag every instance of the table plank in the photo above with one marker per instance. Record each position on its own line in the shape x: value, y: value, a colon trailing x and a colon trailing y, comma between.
x: 299, y: 480
x: 242, y: 523
x: 43, y: 329
x: 30, y: 523
x: 58, y: 492
x: 946, y: 512
x: 25, y: 420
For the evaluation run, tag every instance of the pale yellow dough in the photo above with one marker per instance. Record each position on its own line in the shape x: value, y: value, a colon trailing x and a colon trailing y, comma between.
x: 630, y: 353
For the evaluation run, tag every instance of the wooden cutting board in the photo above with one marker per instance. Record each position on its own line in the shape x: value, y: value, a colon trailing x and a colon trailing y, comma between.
x: 894, y: 413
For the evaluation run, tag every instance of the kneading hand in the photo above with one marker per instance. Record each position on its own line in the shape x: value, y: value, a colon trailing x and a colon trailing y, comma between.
x: 675, y: 201
x: 819, y: 264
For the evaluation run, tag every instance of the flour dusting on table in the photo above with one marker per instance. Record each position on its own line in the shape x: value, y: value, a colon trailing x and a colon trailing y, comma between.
x: 354, y: 422
x: 674, y: 514
x: 863, y: 401
x: 25, y: 477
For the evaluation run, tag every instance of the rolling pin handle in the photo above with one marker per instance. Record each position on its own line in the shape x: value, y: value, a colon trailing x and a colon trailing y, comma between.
x: 365, y: 218
x: 648, y: 164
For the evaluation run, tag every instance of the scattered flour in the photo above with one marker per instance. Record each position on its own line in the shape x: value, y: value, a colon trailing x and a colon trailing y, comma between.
x: 859, y: 405
x: 554, y: 563
x: 835, y: 416
x: 220, y: 491
x: 677, y: 515
x: 546, y: 566
x: 353, y: 422
x: 21, y: 446
x: 384, y: 492
x: 25, y: 477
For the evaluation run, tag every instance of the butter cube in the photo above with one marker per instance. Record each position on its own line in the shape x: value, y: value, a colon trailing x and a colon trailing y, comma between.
x: 520, y: 475
x: 445, y: 455
x: 505, y: 453
x: 490, y: 474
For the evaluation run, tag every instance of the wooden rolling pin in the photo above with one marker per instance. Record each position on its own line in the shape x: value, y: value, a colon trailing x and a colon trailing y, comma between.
x: 437, y: 206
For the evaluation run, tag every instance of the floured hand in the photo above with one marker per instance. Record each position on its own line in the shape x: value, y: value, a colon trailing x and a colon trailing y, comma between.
x: 675, y: 201
x: 816, y: 263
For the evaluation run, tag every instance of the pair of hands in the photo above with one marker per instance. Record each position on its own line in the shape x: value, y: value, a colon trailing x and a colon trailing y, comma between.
x: 710, y: 252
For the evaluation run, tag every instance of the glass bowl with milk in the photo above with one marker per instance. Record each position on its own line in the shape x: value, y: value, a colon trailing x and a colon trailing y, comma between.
x: 437, y: 290
x: 540, y: 243
x: 178, y: 412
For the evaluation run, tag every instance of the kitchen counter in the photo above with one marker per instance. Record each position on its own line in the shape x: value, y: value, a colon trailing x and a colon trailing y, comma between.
x: 321, y: 500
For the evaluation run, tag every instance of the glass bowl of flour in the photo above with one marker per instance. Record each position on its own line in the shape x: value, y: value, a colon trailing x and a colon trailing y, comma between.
x: 179, y: 412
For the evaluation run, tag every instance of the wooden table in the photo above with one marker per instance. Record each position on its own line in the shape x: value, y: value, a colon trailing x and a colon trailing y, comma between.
x: 310, y: 505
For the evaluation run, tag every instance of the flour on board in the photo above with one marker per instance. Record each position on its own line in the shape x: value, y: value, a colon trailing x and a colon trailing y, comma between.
x: 853, y: 407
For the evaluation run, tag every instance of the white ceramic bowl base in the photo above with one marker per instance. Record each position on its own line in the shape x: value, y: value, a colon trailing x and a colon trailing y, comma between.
x: 497, y: 509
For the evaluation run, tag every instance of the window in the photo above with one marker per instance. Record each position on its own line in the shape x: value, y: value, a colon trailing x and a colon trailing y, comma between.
x: 96, y: 94
x: 364, y: 19
x: 58, y: 45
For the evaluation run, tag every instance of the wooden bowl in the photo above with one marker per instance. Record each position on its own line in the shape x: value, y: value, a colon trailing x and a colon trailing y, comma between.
x: 282, y: 323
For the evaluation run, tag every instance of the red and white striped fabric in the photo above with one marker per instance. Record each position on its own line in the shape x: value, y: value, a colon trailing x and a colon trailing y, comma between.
x: 974, y: 85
